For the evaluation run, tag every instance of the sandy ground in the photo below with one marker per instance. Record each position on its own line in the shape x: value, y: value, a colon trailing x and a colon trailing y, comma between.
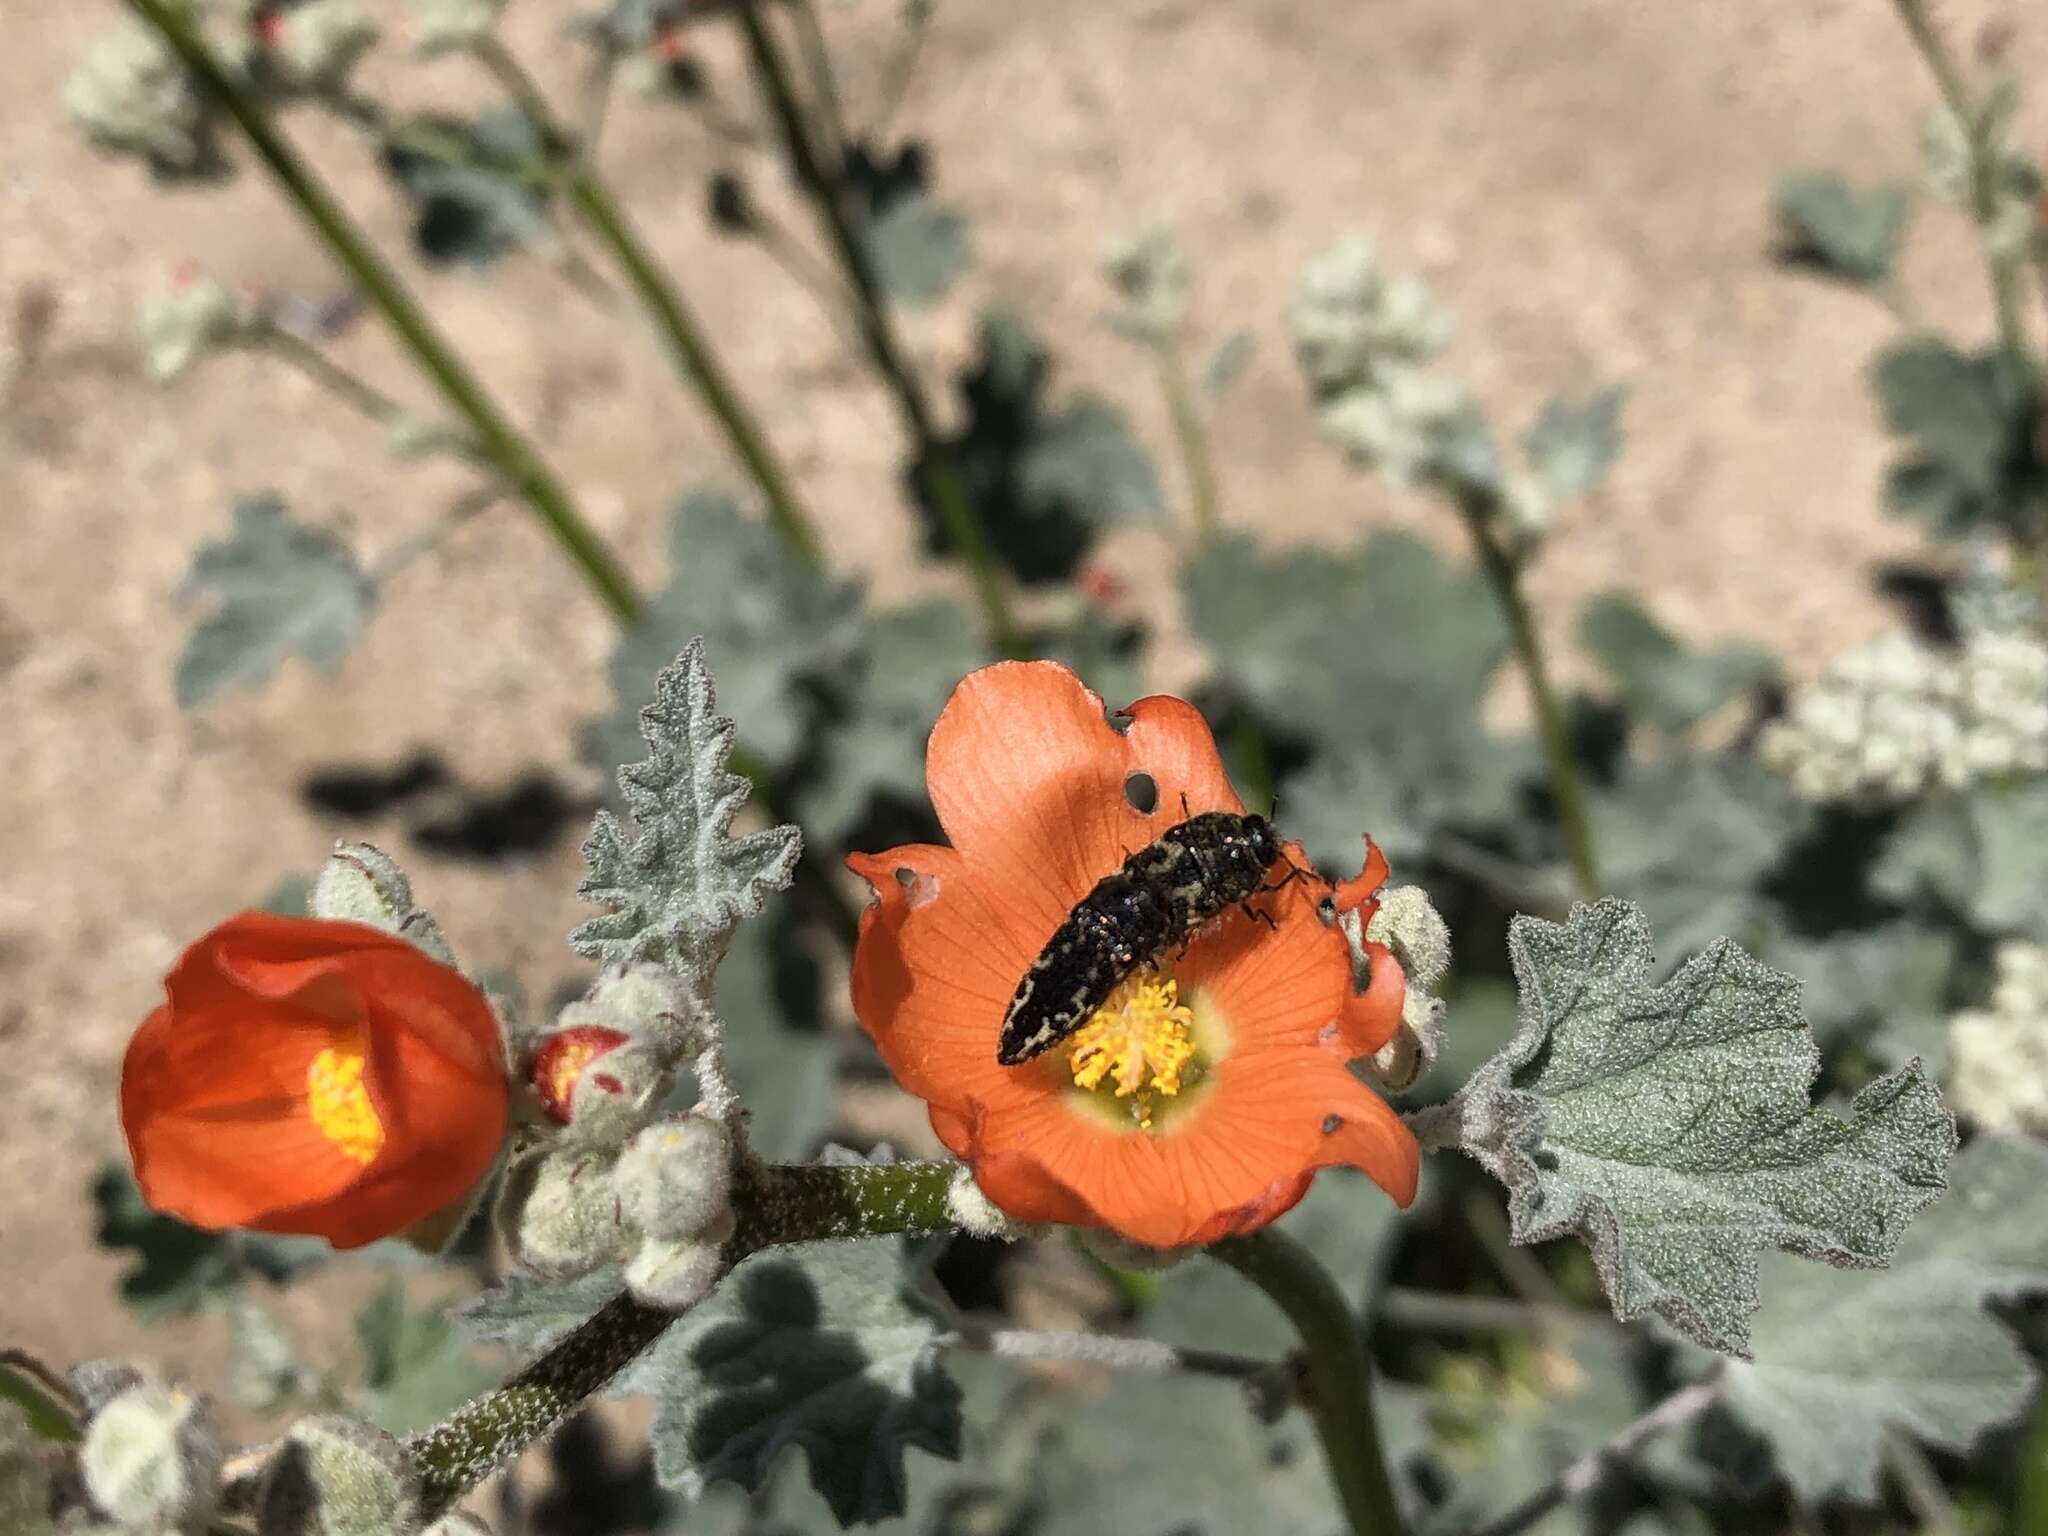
x: 1584, y: 182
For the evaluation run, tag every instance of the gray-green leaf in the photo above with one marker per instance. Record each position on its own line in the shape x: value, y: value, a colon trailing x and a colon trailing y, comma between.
x: 1084, y: 456
x: 528, y: 1315
x: 417, y: 1364
x: 1573, y: 445
x: 282, y: 587
x: 1662, y: 681
x: 918, y: 249
x: 1967, y: 426
x: 1671, y: 1128
x: 679, y: 883
x: 1842, y: 1358
x: 771, y: 620
x: 1978, y: 853
x: 1830, y: 225
x: 820, y: 1346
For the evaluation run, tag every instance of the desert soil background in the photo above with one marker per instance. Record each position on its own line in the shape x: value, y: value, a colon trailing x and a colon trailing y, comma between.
x: 1584, y: 183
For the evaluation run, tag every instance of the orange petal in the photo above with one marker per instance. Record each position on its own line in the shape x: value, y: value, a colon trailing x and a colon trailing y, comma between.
x: 1284, y: 985
x: 1027, y: 775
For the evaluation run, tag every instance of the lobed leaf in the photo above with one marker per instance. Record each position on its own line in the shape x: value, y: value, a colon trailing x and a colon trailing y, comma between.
x: 821, y: 1347
x: 916, y: 249
x: 281, y: 588
x: 774, y: 623
x: 179, y: 1269
x: 417, y: 1364
x: 476, y: 187
x: 1967, y: 424
x: 1671, y: 1127
x: 1830, y: 226
x: 1976, y: 853
x: 1662, y: 681
x: 1572, y: 446
x: 1843, y: 1359
x: 679, y: 882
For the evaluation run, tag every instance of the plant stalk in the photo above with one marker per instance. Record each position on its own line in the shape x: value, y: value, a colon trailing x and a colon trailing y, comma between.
x: 936, y: 467
x: 1338, y: 1373
x: 1191, y: 436
x: 775, y: 1204
x: 515, y: 458
x: 689, y: 347
x: 1567, y: 789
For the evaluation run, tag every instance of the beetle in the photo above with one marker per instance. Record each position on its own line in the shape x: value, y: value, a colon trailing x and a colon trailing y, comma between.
x: 1154, y: 900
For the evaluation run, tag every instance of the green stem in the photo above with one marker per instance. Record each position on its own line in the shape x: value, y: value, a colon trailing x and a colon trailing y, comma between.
x: 2030, y: 1498
x: 1338, y: 1373
x: 515, y: 458
x: 1192, y: 437
x: 1567, y: 790
x: 1949, y: 79
x: 659, y: 296
x: 936, y: 468
x: 775, y: 1204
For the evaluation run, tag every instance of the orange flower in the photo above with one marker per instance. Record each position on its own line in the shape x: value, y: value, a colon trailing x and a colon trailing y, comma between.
x: 1201, y: 1099
x: 315, y: 1077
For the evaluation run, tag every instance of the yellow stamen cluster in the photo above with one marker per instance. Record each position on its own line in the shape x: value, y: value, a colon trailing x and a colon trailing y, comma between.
x: 1140, y: 1041
x: 340, y: 1104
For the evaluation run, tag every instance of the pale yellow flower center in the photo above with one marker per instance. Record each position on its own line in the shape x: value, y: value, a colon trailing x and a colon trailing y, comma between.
x: 1140, y: 1043
x: 340, y: 1104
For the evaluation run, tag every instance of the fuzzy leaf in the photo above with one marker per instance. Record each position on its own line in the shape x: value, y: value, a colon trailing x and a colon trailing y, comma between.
x: 1660, y: 680
x: 181, y: 1268
x: 1084, y: 456
x: 1840, y: 1358
x: 680, y: 882
x: 1572, y: 446
x: 1044, y: 481
x: 916, y: 248
x: 528, y: 1315
x: 1831, y: 226
x: 910, y: 660
x: 820, y: 1346
x: 282, y: 588
x: 1693, y: 840
x: 1977, y: 853
x: 1671, y: 1127
x: 1968, y: 426
x: 417, y: 1364
x: 475, y: 187
x: 772, y: 621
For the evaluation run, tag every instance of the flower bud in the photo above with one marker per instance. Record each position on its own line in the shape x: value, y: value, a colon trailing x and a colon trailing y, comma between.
x: 335, y: 1477
x: 152, y: 1459
x: 650, y: 1003
x: 1412, y: 928
x: 675, y: 1276
x: 674, y: 1180
x: 99, y: 1382
x: 565, y: 1058
x: 190, y: 316
x: 560, y: 1215
x: 975, y: 1213
x: 361, y: 883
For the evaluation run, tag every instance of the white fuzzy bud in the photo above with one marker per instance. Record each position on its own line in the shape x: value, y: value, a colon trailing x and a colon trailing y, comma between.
x: 457, y: 1523
x: 674, y: 1180
x: 650, y: 1003
x: 317, y: 44
x: 974, y: 1212
x: 675, y: 1276
x: 152, y: 1459
x: 192, y: 315
x: 559, y: 1214
x: 1409, y: 925
x: 360, y: 883
x: 132, y: 93
x: 336, y: 1477
x: 1527, y: 507
x: 1998, y: 1054
x: 25, y: 1481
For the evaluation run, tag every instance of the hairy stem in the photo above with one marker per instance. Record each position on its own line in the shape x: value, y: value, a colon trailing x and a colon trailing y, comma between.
x: 1567, y: 789
x: 1191, y: 436
x: 688, y: 346
x: 514, y: 457
x: 1338, y: 1374
x: 937, y: 470
x: 1111, y: 1350
x: 775, y: 1204
x: 1583, y: 1475
x: 2006, y: 268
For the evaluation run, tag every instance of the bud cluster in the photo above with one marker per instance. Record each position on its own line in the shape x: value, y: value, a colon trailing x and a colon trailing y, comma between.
x: 1898, y: 718
x: 1998, y: 1054
x: 616, y: 1180
x: 1364, y: 342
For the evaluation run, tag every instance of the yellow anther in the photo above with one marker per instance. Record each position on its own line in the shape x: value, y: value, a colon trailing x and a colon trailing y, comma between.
x: 1140, y: 1041
x: 340, y: 1104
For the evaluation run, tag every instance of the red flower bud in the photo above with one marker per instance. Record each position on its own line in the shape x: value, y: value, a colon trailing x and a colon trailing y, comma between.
x: 563, y: 1061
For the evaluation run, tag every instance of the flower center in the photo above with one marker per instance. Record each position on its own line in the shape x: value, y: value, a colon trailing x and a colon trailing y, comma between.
x: 340, y: 1104
x: 1139, y: 1043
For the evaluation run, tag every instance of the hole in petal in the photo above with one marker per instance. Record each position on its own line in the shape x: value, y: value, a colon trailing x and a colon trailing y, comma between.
x: 1141, y: 793
x: 919, y: 888
x: 1332, y: 1124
